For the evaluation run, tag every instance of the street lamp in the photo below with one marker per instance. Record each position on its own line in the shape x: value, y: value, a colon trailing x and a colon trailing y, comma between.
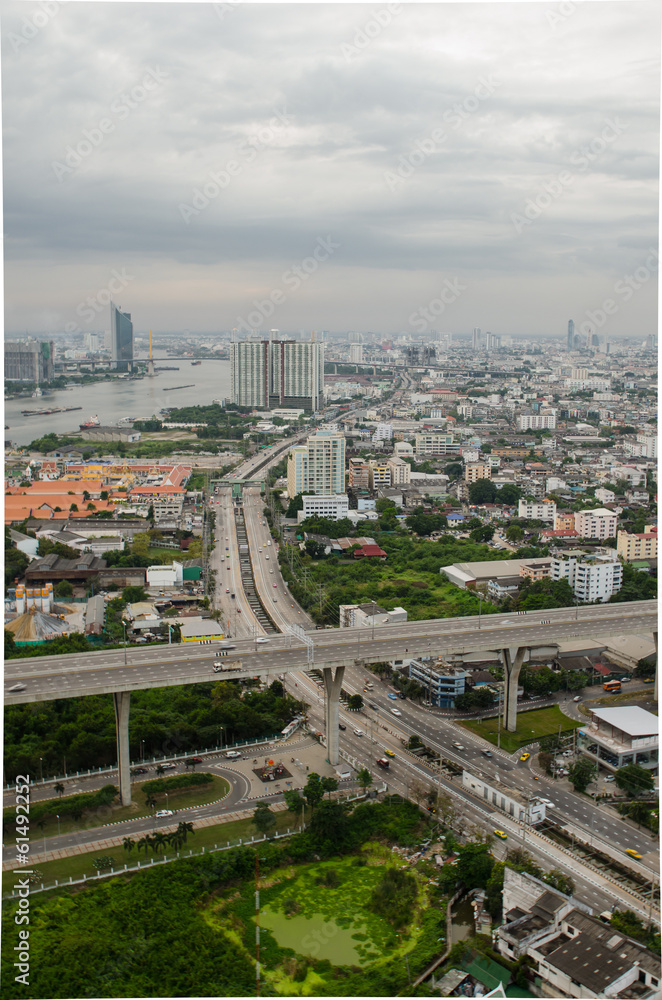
x: 58, y: 824
x: 480, y: 604
x: 167, y: 803
x: 124, y: 629
x: 142, y: 751
x: 41, y: 770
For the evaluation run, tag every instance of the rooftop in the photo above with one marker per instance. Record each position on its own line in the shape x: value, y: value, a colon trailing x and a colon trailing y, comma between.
x: 630, y: 719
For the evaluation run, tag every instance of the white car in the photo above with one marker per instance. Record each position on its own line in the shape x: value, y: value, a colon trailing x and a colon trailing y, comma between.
x: 262, y: 638
x: 396, y: 711
x: 164, y: 812
x: 610, y: 777
x: 233, y: 753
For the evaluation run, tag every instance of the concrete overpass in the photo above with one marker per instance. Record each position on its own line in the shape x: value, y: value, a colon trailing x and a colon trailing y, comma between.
x: 117, y: 673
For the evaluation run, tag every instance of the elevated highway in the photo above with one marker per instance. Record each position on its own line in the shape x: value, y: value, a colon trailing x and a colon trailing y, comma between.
x: 50, y: 677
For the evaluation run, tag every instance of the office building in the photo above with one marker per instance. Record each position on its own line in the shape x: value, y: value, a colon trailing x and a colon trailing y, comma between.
x: 571, y: 334
x: 475, y: 339
x: 318, y: 466
x: 600, y: 523
x: 29, y: 361
x: 592, y: 578
x: 121, y: 344
x: 278, y: 373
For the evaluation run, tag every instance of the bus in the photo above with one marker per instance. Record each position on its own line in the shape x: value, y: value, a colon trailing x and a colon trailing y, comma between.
x: 611, y: 686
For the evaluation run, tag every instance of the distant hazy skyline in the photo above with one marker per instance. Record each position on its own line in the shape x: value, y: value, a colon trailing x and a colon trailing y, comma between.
x: 386, y: 167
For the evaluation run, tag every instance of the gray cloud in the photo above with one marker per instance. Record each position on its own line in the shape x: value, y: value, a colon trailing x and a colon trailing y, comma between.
x: 355, y: 114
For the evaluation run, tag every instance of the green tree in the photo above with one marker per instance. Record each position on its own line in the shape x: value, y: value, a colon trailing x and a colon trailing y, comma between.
x: 329, y: 785
x: 58, y: 788
x: 132, y: 595
x: 475, y: 865
x: 484, y: 533
x: 313, y: 790
x: 394, y: 897
x: 634, y: 779
x: 509, y: 494
x: 295, y: 804
x: 263, y: 818
x: 140, y: 544
x: 355, y: 702
x: 63, y: 589
x: 482, y: 491
x: 582, y: 774
x: 514, y: 533
x: 128, y: 843
x: 364, y: 778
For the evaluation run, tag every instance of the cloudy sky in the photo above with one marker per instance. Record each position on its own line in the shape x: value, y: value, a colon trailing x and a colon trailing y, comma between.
x: 386, y: 167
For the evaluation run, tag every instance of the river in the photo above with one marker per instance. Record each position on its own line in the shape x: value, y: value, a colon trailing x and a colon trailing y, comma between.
x: 111, y: 400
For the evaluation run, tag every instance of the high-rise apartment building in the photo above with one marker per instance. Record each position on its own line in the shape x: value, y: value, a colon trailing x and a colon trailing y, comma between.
x: 278, y: 373
x: 571, y: 334
x: 318, y: 466
x: 475, y: 338
x: 592, y: 578
x: 359, y: 474
x: 121, y: 333
x: 29, y: 361
x: 356, y: 353
x: 536, y: 421
x: 600, y: 523
x: 544, y: 510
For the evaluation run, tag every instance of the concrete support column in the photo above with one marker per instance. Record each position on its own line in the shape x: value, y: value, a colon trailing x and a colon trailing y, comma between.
x: 512, y: 659
x: 122, y: 701
x: 657, y: 672
x: 332, y: 686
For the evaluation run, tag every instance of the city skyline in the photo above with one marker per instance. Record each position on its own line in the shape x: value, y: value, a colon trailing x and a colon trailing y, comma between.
x: 397, y: 168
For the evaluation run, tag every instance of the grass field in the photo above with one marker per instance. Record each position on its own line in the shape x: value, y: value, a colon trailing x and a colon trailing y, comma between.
x: 82, y: 864
x: 198, y: 795
x: 530, y: 727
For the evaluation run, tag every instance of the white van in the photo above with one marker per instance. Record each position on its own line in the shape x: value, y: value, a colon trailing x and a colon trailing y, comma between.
x: 343, y: 775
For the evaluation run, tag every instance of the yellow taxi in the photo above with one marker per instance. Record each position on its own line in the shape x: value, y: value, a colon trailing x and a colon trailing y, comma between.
x: 501, y: 834
x: 633, y: 854
x: 525, y: 756
x: 389, y: 753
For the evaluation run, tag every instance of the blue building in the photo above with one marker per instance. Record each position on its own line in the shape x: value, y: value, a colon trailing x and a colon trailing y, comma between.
x: 121, y: 334
x: 442, y: 681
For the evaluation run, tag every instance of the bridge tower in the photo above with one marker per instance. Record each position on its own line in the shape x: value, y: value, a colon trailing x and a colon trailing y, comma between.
x: 150, y: 363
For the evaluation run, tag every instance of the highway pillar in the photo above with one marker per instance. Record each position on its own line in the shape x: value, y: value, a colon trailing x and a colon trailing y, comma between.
x: 122, y: 701
x: 512, y: 659
x: 657, y: 672
x: 332, y: 686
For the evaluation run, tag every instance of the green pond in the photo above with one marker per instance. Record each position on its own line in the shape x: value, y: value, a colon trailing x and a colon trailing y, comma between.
x: 316, y: 937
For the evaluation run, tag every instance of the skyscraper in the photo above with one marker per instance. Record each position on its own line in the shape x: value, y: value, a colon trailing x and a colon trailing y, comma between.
x: 571, y: 334
x: 29, y: 361
x: 280, y: 373
x: 121, y: 334
x: 475, y: 338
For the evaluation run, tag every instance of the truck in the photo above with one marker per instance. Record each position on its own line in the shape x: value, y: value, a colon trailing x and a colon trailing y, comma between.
x: 369, y: 684
x: 383, y: 762
x: 219, y: 665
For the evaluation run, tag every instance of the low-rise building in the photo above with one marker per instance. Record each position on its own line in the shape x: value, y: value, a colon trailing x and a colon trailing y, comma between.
x: 473, y: 471
x: 535, y: 570
x: 359, y: 474
x: 380, y: 475
x: 631, y: 547
x: 619, y: 736
x: 544, y: 510
x: 600, y: 523
x: 529, y: 810
x: 334, y: 507
x: 435, y: 444
x: 592, y: 578
x: 369, y: 615
x: 400, y: 471
x: 573, y: 953
x: 443, y: 682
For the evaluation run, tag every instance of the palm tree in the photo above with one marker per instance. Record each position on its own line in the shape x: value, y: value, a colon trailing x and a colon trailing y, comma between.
x: 184, y: 829
x: 142, y: 843
x: 150, y: 801
x: 159, y: 840
x: 128, y: 844
x: 159, y: 769
x: 59, y: 788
